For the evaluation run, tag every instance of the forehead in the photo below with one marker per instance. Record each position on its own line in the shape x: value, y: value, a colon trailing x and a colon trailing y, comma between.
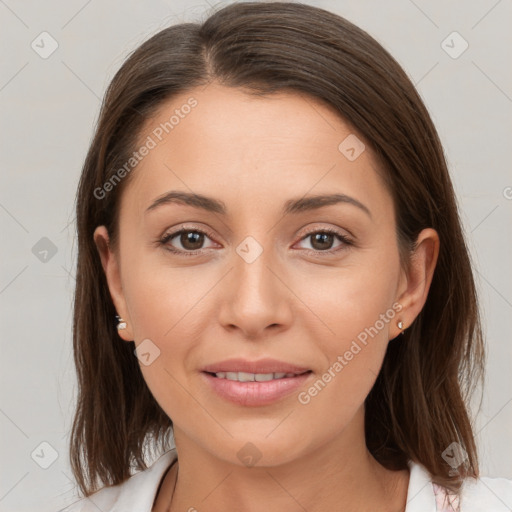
x: 221, y: 141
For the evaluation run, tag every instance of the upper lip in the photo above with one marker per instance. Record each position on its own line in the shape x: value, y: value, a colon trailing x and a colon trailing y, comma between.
x: 260, y: 366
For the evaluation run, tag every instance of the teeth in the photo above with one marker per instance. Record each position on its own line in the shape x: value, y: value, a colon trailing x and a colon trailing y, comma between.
x: 262, y: 377
x: 243, y: 376
x: 250, y: 377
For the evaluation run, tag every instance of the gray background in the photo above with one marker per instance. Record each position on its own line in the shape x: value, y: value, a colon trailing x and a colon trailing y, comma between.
x: 48, y: 108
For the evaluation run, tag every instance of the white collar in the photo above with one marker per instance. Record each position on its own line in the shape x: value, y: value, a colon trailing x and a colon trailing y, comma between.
x: 420, y: 493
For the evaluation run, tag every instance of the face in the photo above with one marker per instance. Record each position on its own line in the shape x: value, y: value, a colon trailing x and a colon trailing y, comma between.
x: 316, y: 287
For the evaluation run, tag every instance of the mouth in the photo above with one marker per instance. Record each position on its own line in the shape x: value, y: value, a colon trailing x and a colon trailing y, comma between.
x: 255, y: 389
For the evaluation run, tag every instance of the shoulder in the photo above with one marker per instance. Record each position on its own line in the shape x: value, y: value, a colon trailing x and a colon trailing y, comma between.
x: 137, y: 493
x: 489, y: 494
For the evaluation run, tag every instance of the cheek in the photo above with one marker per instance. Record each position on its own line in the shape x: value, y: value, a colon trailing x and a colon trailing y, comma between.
x: 348, y: 301
x: 161, y: 300
x: 353, y: 314
x: 353, y: 357
x: 164, y: 306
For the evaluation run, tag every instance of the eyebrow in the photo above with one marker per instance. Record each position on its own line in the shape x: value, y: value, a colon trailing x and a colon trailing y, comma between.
x: 292, y: 206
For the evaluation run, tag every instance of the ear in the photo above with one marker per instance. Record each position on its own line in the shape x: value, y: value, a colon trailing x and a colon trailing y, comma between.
x: 110, y: 264
x: 415, y: 282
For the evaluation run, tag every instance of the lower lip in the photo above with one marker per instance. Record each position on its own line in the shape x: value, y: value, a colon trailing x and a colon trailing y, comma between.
x: 252, y: 394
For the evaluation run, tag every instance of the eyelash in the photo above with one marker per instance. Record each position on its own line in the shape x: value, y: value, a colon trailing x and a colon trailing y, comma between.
x: 168, y: 237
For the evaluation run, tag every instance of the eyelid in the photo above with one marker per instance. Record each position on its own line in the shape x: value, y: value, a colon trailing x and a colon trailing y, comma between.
x: 328, y: 229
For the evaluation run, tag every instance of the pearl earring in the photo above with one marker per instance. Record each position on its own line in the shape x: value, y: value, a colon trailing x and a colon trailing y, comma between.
x: 121, y: 323
x: 401, y: 326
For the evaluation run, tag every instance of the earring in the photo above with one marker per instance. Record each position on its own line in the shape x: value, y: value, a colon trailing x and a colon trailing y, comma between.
x: 401, y: 326
x: 121, y: 323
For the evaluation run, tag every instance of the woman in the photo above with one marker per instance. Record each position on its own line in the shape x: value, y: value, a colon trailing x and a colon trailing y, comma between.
x: 271, y: 268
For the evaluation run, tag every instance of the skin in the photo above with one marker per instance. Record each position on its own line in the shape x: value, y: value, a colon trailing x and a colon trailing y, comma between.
x: 254, y: 154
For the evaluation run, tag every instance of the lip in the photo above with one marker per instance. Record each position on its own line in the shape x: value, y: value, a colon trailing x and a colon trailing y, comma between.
x: 253, y: 393
x: 266, y: 365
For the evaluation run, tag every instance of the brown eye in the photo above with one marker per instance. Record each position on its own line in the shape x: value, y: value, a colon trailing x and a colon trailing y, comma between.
x: 323, y: 240
x: 191, y: 240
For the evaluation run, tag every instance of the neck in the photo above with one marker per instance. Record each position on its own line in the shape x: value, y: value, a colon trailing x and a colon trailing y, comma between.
x: 342, y: 471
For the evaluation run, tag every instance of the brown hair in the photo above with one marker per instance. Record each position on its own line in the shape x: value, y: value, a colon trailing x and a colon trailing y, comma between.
x: 419, y: 403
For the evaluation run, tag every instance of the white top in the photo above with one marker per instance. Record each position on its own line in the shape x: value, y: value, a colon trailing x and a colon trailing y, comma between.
x: 137, y: 493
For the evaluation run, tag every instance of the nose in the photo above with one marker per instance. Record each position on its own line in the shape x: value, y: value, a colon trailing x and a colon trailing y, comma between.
x: 256, y: 300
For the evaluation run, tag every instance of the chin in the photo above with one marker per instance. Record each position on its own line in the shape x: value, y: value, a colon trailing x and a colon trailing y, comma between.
x: 259, y: 450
